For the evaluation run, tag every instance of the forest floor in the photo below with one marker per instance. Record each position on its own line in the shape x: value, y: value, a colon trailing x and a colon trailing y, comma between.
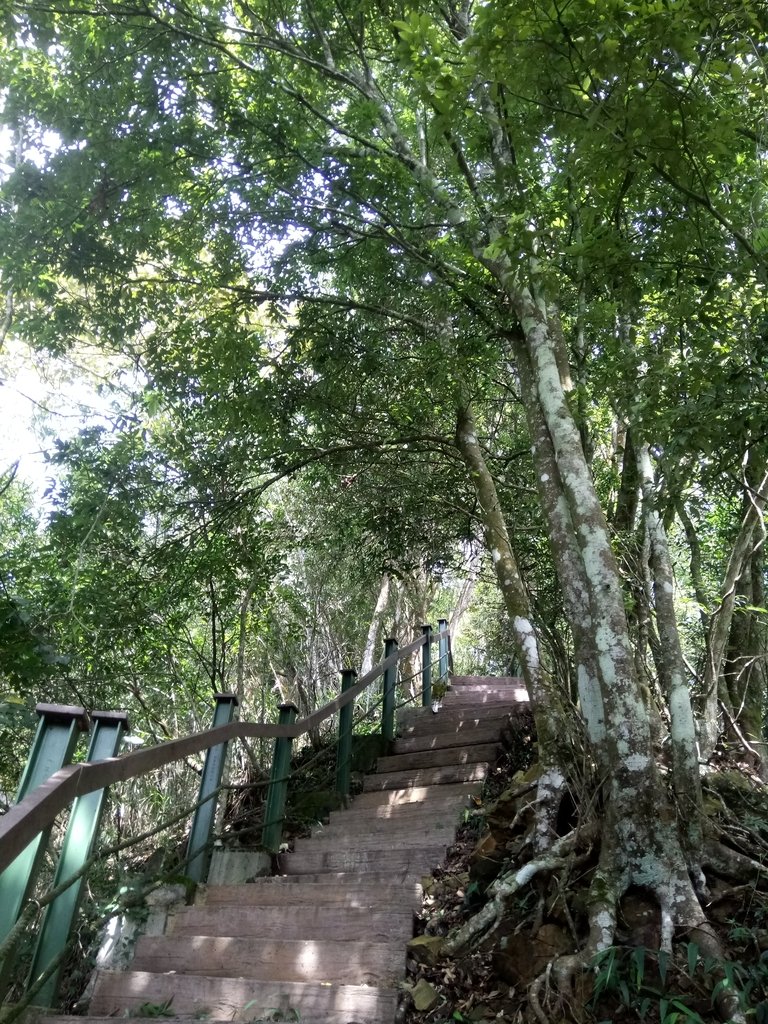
x: 631, y: 981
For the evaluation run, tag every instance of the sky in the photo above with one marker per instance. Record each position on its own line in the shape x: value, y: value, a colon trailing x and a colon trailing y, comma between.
x: 43, y: 399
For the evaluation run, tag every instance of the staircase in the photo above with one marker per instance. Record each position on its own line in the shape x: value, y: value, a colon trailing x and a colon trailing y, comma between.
x: 324, y: 943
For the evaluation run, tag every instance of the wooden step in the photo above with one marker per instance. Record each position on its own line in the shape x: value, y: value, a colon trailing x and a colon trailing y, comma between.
x: 242, y: 999
x: 438, y: 741
x: 378, y: 924
x: 453, y: 701
x: 412, y: 861
x: 341, y: 961
x: 402, y: 839
x: 454, y: 720
x: 488, y: 681
x: 455, y: 755
x: 431, y: 796
x: 384, y: 878
x: 426, y: 777
x: 413, y: 821
x: 273, y: 892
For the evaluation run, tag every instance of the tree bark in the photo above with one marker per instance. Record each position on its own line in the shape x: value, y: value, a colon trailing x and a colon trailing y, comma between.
x: 750, y: 537
x: 373, y: 630
x: 544, y: 704
x: 685, y: 760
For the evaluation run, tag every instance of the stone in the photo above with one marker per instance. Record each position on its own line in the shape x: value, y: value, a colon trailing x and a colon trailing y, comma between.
x: 426, y: 949
x: 521, y: 959
x: 425, y: 996
x: 486, y: 859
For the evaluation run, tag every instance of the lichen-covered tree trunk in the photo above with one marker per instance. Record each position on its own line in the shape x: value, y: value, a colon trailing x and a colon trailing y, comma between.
x: 745, y: 667
x: 639, y: 843
x: 568, y: 563
x: 749, y: 538
x: 545, y: 704
x: 682, y: 732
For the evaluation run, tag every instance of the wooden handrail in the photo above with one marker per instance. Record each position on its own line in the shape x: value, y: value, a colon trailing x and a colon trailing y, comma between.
x: 20, y: 825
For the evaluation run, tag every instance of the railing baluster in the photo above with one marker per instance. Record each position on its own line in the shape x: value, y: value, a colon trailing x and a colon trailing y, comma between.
x: 201, y: 833
x: 278, y: 783
x: 77, y: 847
x: 388, y: 697
x: 426, y: 667
x: 344, y: 748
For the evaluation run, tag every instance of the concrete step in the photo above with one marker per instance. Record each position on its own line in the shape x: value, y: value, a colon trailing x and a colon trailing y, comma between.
x: 273, y: 892
x: 378, y: 924
x: 341, y: 961
x: 447, y: 775
x: 455, y: 755
x: 242, y: 999
x: 412, y: 861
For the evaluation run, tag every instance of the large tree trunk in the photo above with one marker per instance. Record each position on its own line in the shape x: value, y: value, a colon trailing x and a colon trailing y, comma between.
x: 749, y: 538
x: 745, y: 666
x: 544, y: 703
x: 685, y: 759
x: 639, y: 841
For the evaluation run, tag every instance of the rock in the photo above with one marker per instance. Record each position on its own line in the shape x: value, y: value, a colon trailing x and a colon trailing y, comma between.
x: 521, y: 959
x: 642, y: 919
x: 426, y: 949
x: 523, y: 778
x: 424, y: 995
x: 486, y: 859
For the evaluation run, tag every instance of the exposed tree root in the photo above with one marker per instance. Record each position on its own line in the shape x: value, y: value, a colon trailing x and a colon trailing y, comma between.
x: 558, y: 856
x: 652, y: 863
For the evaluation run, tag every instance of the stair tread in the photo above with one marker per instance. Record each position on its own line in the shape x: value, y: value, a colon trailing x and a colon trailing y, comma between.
x: 445, y: 740
x: 413, y: 861
x: 274, y: 892
x: 293, y: 922
x: 330, y: 959
x: 488, y: 680
x: 429, y: 776
x: 243, y: 999
x: 454, y: 755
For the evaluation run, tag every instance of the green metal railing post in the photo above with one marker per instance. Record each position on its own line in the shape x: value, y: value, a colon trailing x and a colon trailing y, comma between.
x: 278, y: 783
x: 57, y: 734
x: 77, y: 847
x: 426, y: 667
x: 201, y: 833
x: 442, y: 625
x: 344, y: 747
x: 388, y: 696
x: 55, y: 740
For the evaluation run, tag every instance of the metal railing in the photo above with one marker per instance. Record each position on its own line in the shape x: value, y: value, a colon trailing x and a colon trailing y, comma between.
x: 26, y: 827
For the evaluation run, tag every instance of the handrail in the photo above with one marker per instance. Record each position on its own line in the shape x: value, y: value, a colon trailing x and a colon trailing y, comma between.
x: 20, y: 824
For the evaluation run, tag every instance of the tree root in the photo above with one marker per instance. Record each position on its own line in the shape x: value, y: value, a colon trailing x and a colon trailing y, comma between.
x: 506, y: 886
x: 730, y: 863
x: 680, y: 909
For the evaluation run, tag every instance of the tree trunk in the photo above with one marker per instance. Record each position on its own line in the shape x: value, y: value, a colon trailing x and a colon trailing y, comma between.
x: 544, y: 703
x: 750, y: 537
x: 639, y: 840
x: 745, y: 667
x: 685, y: 760
x: 375, y: 626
